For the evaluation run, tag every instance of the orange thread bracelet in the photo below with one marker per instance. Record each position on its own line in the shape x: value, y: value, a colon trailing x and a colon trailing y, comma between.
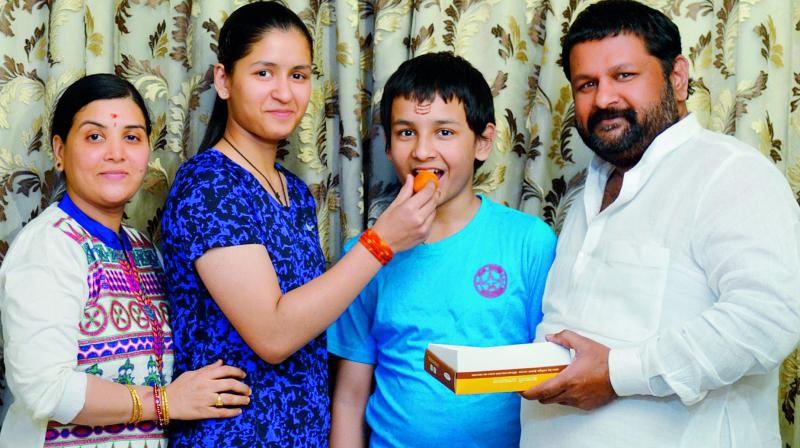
x: 376, y: 246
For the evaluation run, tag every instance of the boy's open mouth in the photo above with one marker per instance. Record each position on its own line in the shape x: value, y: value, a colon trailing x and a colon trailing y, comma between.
x: 439, y: 173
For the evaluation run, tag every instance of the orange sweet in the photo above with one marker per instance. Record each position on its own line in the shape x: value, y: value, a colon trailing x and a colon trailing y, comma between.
x: 422, y: 178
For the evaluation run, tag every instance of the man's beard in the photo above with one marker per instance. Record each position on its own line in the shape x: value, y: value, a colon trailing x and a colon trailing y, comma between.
x: 627, y: 149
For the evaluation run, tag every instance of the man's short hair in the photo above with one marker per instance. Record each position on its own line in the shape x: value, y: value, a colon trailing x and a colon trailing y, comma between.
x: 447, y: 76
x: 610, y: 18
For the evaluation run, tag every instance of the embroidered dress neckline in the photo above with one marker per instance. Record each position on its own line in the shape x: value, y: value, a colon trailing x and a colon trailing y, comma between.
x: 110, y: 238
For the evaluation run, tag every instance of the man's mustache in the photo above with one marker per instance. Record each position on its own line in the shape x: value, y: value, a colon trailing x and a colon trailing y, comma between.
x: 608, y: 114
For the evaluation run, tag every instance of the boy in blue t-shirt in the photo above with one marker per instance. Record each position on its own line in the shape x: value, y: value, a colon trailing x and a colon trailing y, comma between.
x: 478, y: 280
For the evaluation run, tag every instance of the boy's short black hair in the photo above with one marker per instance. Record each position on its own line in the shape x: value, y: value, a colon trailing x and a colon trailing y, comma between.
x: 614, y: 17
x: 444, y: 75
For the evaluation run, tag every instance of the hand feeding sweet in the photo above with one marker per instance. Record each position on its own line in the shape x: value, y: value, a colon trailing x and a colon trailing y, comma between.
x: 423, y: 177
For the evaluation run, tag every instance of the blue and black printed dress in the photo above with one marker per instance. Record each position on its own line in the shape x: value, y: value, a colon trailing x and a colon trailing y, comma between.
x: 216, y: 203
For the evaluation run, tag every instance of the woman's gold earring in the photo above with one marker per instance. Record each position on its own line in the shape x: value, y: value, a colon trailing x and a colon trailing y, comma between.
x: 58, y: 166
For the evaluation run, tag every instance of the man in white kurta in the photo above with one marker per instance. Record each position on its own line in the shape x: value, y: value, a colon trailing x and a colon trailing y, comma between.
x: 676, y: 276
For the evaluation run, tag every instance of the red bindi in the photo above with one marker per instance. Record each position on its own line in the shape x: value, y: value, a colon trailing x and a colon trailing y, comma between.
x: 113, y: 115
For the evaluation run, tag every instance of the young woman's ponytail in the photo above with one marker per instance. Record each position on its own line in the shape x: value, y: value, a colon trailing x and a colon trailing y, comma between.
x: 216, y: 124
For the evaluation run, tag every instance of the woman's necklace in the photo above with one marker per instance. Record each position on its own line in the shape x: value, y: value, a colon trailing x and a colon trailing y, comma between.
x: 280, y: 179
x: 147, y: 308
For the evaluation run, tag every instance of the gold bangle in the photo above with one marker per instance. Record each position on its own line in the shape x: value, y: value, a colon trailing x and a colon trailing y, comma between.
x: 164, y: 404
x: 139, y: 406
x: 138, y: 410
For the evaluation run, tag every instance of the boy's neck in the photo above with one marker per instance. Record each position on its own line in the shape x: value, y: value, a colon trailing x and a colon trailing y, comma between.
x: 453, y: 216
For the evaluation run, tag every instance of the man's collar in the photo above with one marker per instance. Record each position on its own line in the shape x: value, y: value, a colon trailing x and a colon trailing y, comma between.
x: 664, y: 144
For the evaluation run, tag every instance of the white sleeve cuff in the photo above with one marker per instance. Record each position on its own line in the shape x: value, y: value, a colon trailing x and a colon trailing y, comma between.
x: 72, y: 400
x: 625, y: 372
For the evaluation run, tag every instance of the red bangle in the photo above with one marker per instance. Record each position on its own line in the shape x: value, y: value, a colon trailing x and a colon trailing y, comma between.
x: 157, y: 403
x: 376, y: 246
x: 164, y: 406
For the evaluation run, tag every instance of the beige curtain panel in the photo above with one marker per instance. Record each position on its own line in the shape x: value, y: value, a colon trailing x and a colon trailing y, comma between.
x: 744, y: 55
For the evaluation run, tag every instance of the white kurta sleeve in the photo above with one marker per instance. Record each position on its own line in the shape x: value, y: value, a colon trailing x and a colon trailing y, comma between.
x: 746, y: 241
x: 43, y: 289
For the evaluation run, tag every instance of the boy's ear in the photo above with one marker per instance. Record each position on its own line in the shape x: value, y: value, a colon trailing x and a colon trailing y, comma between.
x: 221, y: 81
x: 485, y: 142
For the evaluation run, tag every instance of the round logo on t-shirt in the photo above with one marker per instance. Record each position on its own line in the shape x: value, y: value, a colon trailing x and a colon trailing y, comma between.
x: 490, y: 281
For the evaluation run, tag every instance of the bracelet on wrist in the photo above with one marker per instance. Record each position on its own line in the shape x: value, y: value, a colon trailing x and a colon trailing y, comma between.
x: 138, y: 409
x: 165, y: 404
x: 376, y: 246
x: 157, y: 405
x: 160, y: 403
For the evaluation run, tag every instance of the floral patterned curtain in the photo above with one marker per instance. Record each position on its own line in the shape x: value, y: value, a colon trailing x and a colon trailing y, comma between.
x: 744, y: 54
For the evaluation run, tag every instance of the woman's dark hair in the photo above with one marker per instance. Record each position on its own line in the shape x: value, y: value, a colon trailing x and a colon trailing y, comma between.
x: 244, y: 27
x: 101, y: 86
x: 447, y: 76
x: 614, y: 17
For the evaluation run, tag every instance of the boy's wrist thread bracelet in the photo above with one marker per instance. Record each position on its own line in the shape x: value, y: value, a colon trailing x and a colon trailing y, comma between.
x: 376, y: 246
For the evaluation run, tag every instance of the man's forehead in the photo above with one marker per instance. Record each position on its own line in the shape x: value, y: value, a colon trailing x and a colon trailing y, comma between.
x: 622, y: 40
x: 612, y: 50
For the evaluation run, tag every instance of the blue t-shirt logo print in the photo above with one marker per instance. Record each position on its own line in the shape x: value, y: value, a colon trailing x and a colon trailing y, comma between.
x: 490, y: 281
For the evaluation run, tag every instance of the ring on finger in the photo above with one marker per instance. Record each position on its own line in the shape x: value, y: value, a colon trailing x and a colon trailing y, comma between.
x: 218, y: 403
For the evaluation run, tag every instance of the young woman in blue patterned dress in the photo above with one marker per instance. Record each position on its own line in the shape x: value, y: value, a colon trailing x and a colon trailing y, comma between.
x: 245, y: 271
x: 87, y: 344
